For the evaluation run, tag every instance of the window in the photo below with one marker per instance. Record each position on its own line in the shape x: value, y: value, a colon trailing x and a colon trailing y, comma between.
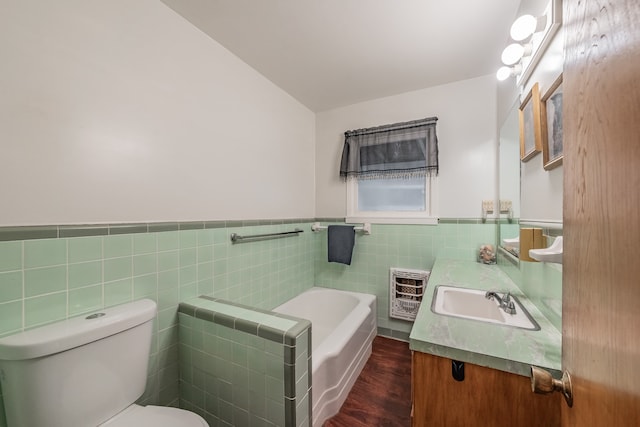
x: 390, y: 172
x: 392, y: 200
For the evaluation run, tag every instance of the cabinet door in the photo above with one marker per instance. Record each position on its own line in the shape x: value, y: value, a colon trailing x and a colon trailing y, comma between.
x: 486, y: 397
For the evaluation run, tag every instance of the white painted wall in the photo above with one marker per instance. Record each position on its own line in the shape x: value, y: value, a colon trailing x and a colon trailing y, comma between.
x: 541, y: 191
x: 466, y: 112
x: 123, y: 111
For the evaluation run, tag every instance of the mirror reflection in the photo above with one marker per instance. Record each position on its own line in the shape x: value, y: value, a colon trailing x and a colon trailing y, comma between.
x: 509, y: 189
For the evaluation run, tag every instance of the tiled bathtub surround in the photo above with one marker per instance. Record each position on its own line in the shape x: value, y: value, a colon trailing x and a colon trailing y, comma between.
x: 240, y: 366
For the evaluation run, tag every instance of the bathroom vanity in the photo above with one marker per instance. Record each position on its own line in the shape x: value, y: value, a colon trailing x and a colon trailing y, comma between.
x: 475, y: 373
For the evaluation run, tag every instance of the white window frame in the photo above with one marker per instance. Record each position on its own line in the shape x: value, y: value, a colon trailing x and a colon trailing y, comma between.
x: 428, y: 216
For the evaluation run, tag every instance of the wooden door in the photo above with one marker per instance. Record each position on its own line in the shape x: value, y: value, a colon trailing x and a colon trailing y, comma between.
x: 601, y: 270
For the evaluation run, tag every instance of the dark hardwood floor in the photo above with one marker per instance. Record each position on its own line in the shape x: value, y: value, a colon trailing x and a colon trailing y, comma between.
x: 381, y: 397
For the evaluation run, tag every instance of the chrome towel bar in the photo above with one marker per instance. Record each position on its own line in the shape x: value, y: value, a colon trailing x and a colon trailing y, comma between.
x: 236, y: 238
x: 366, y: 227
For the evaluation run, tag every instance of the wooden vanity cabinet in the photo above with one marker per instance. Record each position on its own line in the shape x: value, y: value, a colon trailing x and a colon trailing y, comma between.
x: 485, y: 398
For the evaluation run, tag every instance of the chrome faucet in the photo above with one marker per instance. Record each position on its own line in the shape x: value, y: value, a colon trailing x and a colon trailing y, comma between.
x: 505, y: 302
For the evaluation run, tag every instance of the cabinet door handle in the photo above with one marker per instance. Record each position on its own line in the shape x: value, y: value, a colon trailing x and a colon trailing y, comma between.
x: 457, y: 370
x: 543, y: 383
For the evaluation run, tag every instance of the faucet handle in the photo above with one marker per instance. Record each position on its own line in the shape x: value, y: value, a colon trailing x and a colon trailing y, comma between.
x: 507, y: 298
x: 510, y: 307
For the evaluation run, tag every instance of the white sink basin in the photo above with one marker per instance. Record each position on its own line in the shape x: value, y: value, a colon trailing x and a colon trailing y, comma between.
x: 472, y: 304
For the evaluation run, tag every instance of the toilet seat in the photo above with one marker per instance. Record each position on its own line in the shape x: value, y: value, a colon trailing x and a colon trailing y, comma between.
x: 155, y: 416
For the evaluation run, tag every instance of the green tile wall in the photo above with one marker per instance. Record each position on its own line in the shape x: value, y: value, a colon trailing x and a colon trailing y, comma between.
x: 43, y: 280
x: 244, y: 367
x: 52, y: 274
x: 541, y: 282
x: 509, y: 230
x: 403, y: 246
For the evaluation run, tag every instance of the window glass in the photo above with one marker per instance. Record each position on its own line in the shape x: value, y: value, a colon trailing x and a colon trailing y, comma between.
x: 399, y: 195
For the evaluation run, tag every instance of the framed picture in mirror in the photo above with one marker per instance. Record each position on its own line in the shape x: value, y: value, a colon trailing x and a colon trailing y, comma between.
x: 551, y: 115
x: 530, y: 125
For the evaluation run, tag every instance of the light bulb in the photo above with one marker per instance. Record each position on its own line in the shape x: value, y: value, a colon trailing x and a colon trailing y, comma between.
x: 523, y: 27
x: 512, y: 54
x: 503, y: 73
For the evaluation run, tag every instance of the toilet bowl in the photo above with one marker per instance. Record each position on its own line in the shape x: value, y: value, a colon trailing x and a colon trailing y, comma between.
x: 85, y: 371
x: 155, y: 416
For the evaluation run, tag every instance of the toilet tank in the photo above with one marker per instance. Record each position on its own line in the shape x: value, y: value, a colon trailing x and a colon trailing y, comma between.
x: 78, y: 372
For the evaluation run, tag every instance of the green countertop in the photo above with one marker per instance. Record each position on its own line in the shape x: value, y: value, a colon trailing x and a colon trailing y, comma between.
x: 500, y: 347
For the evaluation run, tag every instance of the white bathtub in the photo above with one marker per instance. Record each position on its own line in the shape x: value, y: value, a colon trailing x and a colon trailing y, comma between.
x: 343, y: 325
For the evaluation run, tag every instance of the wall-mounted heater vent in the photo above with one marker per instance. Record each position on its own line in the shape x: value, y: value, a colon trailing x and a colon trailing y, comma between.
x: 407, y: 289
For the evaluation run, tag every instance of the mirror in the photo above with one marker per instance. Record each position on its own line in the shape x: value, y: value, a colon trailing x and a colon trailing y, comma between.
x: 509, y: 180
x: 535, y: 192
x: 536, y: 197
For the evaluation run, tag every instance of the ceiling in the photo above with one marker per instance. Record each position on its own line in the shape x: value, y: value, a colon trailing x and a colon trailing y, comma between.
x: 332, y: 53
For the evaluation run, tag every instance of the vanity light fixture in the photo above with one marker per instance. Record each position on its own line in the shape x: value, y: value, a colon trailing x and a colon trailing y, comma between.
x: 521, y: 58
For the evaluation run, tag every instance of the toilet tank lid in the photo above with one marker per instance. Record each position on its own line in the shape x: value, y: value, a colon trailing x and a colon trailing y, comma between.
x: 76, y: 331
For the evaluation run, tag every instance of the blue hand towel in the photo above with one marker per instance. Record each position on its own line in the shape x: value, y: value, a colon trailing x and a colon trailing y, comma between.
x: 341, y: 239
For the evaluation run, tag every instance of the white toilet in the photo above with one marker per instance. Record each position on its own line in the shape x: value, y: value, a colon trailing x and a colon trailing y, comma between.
x: 84, y: 372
